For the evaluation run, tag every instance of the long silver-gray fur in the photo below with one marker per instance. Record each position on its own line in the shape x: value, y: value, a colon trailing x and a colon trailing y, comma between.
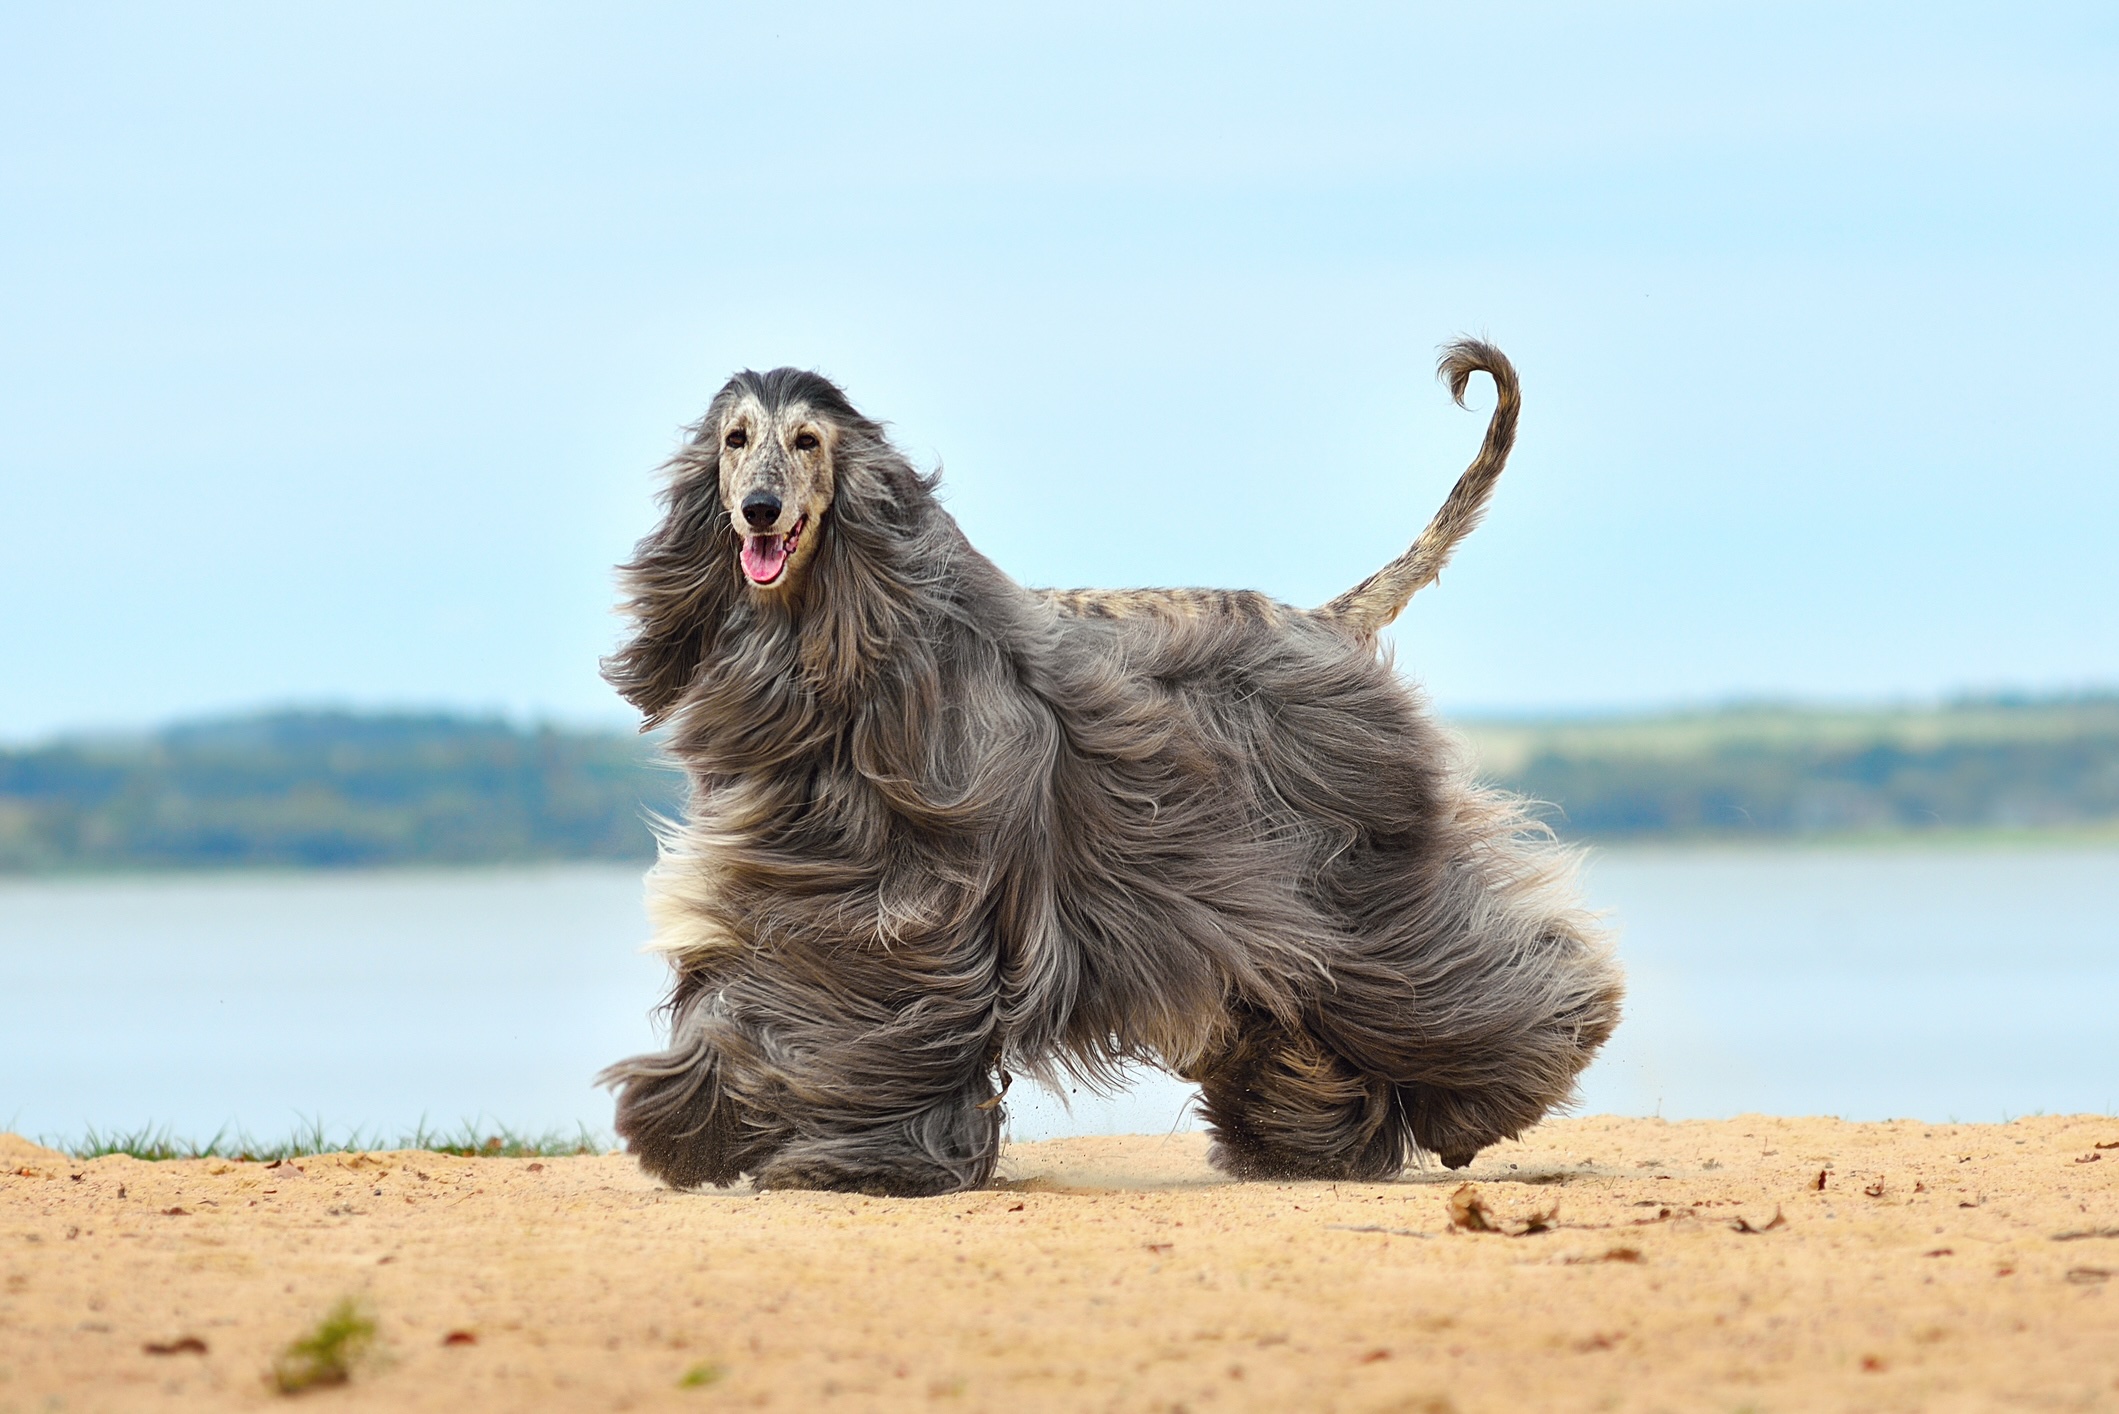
x: 943, y: 827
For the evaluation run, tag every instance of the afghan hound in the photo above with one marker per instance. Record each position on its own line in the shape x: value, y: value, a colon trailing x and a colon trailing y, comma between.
x: 943, y: 828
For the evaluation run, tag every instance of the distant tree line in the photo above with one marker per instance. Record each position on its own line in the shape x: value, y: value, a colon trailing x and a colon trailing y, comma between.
x: 337, y: 789
x: 1994, y: 765
x: 331, y: 789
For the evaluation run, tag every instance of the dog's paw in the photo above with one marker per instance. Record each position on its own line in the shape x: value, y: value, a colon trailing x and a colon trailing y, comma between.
x: 904, y: 1180
x: 676, y: 1121
x: 879, y: 1184
x: 1250, y: 1161
x: 680, y: 1158
x: 946, y: 1150
x: 680, y: 1168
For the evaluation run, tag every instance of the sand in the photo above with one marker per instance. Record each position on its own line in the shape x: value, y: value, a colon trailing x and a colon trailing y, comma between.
x: 1753, y: 1264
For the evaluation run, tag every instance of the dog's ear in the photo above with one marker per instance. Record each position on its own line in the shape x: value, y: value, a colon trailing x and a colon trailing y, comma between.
x: 679, y: 588
x: 846, y: 618
x: 866, y: 576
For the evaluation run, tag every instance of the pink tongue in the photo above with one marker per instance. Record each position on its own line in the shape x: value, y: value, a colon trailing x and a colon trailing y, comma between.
x: 762, y: 557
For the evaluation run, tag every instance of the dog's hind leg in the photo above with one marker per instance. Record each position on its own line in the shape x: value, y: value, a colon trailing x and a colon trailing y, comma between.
x: 1483, y: 991
x: 1283, y: 1105
x: 1514, y: 1050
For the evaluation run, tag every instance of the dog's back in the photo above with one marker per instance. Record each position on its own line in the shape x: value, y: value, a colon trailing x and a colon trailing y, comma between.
x: 1171, y: 604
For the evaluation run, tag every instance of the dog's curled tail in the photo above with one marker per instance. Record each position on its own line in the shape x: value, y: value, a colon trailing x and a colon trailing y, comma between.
x: 1374, y: 602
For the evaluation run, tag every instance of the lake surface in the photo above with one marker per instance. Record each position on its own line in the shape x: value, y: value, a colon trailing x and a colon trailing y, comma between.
x: 1944, y: 983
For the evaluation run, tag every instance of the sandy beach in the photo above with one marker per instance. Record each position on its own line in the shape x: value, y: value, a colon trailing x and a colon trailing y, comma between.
x: 1626, y: 1264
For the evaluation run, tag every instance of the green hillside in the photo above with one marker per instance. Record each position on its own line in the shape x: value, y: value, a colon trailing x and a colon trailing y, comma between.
x: 1999, y: 765
x: 325, y: 789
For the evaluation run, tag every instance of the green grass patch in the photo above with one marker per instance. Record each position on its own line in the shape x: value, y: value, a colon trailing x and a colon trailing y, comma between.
x: 328, y: 1353
x: 468, y: 1140
x: 472, y: 1141
x: 705, y: 1373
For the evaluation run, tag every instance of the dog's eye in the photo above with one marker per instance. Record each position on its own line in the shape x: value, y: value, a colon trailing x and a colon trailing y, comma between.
x: 736, y: 437
x: 805, y: 441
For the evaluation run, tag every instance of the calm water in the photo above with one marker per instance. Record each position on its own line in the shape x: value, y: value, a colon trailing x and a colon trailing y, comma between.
x: 1936, y: 984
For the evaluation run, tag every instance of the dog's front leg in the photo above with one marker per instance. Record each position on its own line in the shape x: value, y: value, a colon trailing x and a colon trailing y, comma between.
x: 883, y: 1068
x: 903, y: 1142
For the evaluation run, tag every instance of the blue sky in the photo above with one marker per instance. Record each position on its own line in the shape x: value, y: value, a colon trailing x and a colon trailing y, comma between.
x: 337, y: 349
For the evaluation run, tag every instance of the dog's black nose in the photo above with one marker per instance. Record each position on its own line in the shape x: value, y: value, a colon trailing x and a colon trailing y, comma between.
x: 761, y: 508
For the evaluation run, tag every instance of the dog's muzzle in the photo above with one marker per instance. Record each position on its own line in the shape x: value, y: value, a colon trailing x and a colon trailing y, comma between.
x: 765, y: 556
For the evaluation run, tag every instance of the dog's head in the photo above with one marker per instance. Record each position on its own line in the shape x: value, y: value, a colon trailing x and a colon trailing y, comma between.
x: 770, y: 442
x: 774, y: 438
x: 777, y: 498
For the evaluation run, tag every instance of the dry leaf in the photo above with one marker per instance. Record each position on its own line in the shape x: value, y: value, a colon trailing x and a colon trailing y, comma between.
x: 1468, y: 1213
x: 1615, y: 1254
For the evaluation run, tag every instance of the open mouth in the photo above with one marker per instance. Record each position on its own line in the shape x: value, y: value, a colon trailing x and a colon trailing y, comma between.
x: 765, y: 557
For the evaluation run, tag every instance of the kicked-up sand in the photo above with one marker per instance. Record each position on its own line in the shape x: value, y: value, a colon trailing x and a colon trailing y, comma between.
x: 1754, y: 1264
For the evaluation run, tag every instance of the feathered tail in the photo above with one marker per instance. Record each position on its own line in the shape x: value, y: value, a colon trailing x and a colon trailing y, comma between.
x: 1374, y: 602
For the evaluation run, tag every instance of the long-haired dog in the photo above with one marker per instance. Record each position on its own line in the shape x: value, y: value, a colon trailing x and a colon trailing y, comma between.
x: 944, y: 827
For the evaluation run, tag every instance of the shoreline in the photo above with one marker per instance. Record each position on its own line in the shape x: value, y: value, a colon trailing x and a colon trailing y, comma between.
x: 2094, y: 837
